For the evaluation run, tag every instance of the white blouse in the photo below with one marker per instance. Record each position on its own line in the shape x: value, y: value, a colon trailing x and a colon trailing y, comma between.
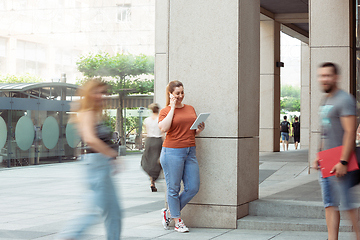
x: 152, y: 127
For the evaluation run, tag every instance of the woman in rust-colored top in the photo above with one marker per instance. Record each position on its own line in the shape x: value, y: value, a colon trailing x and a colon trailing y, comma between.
x: 178, y: 155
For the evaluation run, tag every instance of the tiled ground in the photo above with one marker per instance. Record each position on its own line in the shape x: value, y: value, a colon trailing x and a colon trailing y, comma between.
x: 36, y: 201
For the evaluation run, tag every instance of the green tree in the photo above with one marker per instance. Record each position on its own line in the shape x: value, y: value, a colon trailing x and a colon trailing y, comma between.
x: 125, y: 69
x: 290, y: 99
x: 22, y: 78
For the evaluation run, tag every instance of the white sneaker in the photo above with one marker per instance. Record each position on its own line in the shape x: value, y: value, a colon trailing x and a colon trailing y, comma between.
x: 166, y: 219
x: 180, y: 227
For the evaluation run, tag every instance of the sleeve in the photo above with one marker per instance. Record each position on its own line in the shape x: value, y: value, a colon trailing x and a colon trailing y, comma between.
x: 163, y: 113
x: 146, y: 121
x: 348, y: 108
x: 194, y: 111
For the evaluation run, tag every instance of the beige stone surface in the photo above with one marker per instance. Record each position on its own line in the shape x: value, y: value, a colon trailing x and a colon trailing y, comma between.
x: 249, y: 67
x: 305, y: 64
x: 211, y: 75
x: 212, y: 216
x: 330, y: 16
x: 305, y: 107
x: 218, y: 160
x: 304, y: 138
x: 269, y: 47
x: 266, y: 116
x: 162, y: 25
x: 210, y: 79
x: 248, y: 170
x: 209, y: 52
x: 314, y: 145
x: 268, y: 140
x: 269, y: 85
x: 305, y: 97
x: 161, y: 79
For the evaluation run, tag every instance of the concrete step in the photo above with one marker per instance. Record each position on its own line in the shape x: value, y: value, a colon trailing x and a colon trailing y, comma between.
x: 289, y: 208
x: 288, y: 224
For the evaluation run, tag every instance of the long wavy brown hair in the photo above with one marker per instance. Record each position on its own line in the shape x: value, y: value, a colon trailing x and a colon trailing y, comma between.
x: 86, y: 102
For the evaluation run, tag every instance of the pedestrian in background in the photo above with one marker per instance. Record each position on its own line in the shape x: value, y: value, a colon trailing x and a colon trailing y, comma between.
x: 153, y: 144
x: 102, y: 200
x: 296, y: 132
x: 338, y: 128
x: 178, y: 155
x: 284, y: 129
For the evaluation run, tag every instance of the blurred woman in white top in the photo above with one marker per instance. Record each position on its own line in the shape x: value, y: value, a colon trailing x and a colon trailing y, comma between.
x: 153, y: 144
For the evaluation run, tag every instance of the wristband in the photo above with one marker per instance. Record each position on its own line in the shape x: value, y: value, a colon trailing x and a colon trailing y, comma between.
x: 343, y: 162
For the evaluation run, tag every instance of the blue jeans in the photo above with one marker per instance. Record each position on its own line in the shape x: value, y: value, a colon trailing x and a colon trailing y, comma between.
x: 285, y: 136
x: 338, y: 191
x: 180, y: 164
x: 101, y: 202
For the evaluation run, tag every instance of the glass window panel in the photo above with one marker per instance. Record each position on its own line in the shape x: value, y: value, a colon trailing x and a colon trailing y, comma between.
x: 67, y: 59
x: 20, y: 66
x: 50, y: 132
x: 72, y: 137
x: 30, y: 51
x: 24, y: 133
x: 20, y: 49
x: 3, y: 133
x: 124, y: 13
x: 41, y: 53
x: 3, y: 42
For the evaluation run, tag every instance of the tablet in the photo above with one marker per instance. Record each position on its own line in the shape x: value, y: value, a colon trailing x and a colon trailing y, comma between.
x: 201, y: 118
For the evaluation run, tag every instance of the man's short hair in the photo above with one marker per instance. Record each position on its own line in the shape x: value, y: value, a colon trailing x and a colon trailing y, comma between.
x: 334, y: 66
x: 285, y: 117
x: 296, y: 118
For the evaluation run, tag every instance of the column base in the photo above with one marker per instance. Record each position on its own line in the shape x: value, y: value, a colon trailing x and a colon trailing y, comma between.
x: 213, y: 216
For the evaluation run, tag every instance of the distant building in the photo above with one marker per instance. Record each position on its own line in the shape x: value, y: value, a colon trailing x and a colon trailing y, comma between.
x: 46, y: 38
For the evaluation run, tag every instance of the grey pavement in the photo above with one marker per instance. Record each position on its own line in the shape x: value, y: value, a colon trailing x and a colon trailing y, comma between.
x: 36, y: 201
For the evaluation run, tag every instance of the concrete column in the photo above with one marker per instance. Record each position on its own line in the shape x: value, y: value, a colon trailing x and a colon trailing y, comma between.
x: 305, y: 96
x: 161, y: 50
x: 335, y: 17
x: 269, y: 86
x: 11, y: 56
x: 213, y: 48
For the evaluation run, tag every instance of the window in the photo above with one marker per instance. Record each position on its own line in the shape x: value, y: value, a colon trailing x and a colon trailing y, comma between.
x: 31, y: 57
x: 124, y: 13
x: 3, y: 42
x: 98, y: 17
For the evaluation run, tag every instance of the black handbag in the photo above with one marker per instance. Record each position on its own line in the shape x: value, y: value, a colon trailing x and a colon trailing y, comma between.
x: 356, y: 174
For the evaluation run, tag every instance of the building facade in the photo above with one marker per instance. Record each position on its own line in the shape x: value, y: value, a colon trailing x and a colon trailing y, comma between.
x: 45, y: 38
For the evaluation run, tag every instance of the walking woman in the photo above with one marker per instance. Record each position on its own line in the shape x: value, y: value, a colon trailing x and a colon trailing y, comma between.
x: 102, y: 200
x: 153, y: 144
x: 178, y: 155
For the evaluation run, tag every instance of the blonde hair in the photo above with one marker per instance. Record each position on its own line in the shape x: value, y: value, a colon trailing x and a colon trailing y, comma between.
x: 170, y: 89
x: 87, y: 103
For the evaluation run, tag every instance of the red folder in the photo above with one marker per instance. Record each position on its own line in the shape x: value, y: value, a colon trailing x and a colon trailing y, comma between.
x: 329, y: 158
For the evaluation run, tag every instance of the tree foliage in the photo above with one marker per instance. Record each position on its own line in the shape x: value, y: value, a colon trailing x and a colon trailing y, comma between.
x: 290, y: 91
x: 125, y: 69
x: 290, y: 98
x: 119, y: 65
x: 22, y: 78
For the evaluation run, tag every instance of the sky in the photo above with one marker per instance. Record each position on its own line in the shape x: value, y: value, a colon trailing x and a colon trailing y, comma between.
x: 290, y: 55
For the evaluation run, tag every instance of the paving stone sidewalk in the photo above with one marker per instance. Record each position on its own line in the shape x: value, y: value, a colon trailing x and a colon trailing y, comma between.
x: 36, y: 201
